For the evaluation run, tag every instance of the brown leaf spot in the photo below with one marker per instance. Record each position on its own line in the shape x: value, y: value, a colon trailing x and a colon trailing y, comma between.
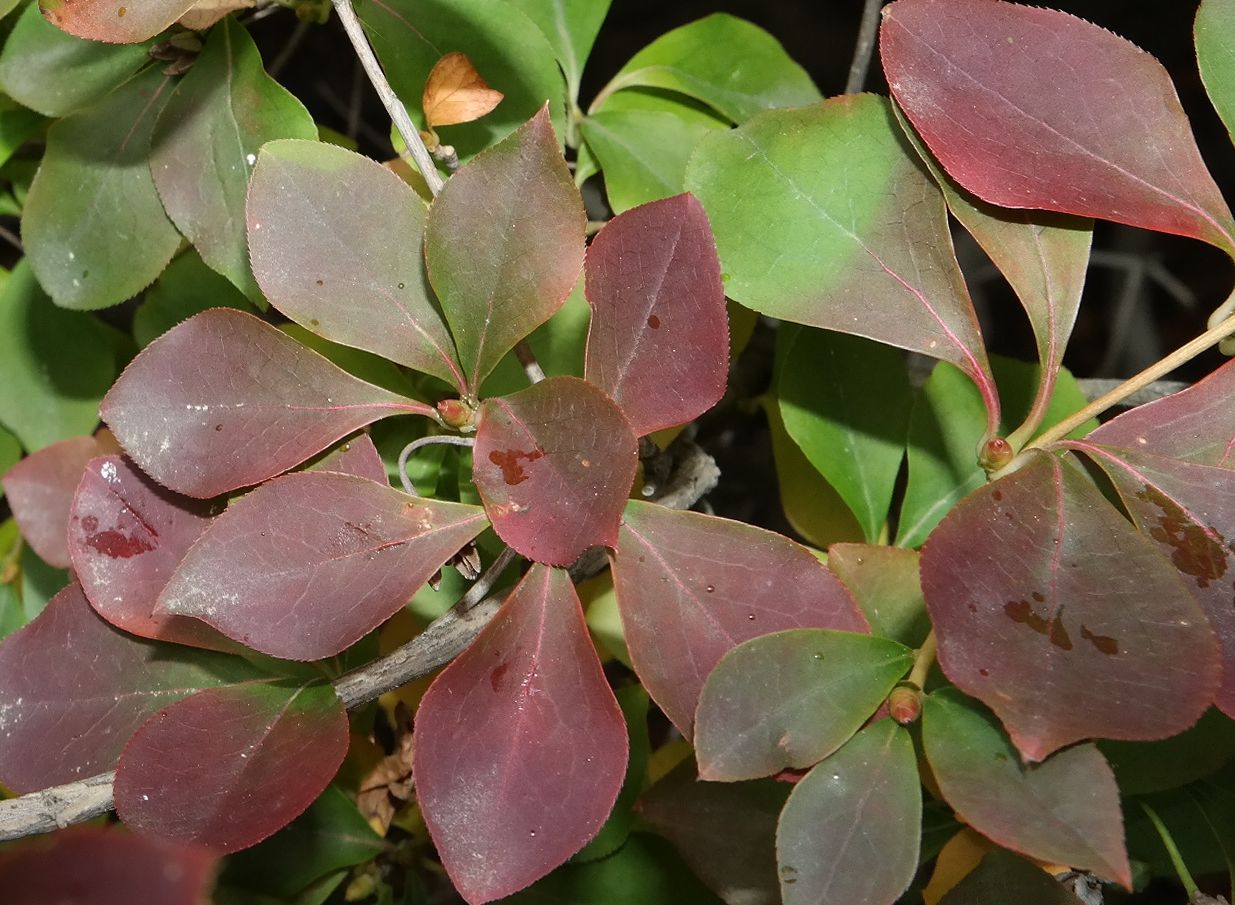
x: 1021, y: 611
x: 497, y: 676
x: 117, y: 544
x: 1196, y: 551
x: 654, y: 322
x: 1104, y: 643
x: 508, y: 461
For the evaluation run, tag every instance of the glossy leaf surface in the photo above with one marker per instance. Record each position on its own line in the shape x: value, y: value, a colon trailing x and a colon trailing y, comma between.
x: 55, y: 73
x: 40, y: 491
x: 205, y: 144
x: 846, y: 402
x: 571, y: 27
x: 554, y: 465
x: 658, y: 342
x: 358, y: 456
x: 224, y: 401
x: 66, y: 718
x: 814, y: 233
x: 55, y: 365
x: 789, y: 699
x: 319, y: 260
x: 94, y: 227
x: 1215, y: 54
x: 504, y: 244
x: 698, y: 60
x: 691, y: 587
x: 102, y: 866
x: 108, y: 20
x: 520, y: 748
x: 970, y: 77
x: 849, y: 832
x: 306, y: 565
x: 227, y: 767
x: 884, y: 580
x: 126, y: 536
x: 1051, y: 609
x: 1064, y: 810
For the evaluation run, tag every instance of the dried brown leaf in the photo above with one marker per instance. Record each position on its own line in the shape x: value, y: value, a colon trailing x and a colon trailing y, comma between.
x: 388, y: 786
x: 456, y: 93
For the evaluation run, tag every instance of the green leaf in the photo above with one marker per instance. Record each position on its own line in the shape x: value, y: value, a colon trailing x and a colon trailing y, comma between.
x: 571, y: 27
x: 1215, y: 54
x: 846, y: 400
x: 1009, y: 880
x: 849, y: 832
x: 642, y: 139
x: 330, y: 835
x: 1144, y: 767
x: 94, y: 228
x: 187, y: 287
x: 205, y: 145
x: 17, y: 126
x: 10, y: 453
x: 55, y: 365
x: 558, y: 343
x: 56, y: 73
x: 613, y: 835
x: 789, y: 699
x: 39, y: 583
x: 885, y: 582
x: 504, y: 45
x: 365, y: 365
x: 700, y: 61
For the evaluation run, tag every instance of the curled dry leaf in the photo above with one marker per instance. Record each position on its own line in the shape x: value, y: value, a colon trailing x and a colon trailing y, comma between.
x: 456, y: 93
x: 389, y: 784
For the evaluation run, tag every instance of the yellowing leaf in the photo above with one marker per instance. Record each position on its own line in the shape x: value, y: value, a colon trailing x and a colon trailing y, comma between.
x: 456, y: 93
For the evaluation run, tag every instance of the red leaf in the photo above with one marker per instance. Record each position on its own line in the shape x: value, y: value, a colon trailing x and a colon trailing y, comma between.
x: 1029, y: 108
x: 227, y: 767
x: 94, y: 865
x: 224, y: 401
x: 1057, y: 614
x: 126, y: 537
x: 658, y: 342
x: 504, y: 244
x: 554, y: 464
x: 73, y: 689
x: 358, y: 456
x: 519, y: 746
x: 308, y: 564
x: 40, y: 492
x: 1196, y: 424
x: 1189, y: 511
x: 112, y: 21
x: 691, y: 587
x: 319, y: 260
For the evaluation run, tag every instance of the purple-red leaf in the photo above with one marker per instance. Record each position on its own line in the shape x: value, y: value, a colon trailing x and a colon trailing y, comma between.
x: 1056, y: 613
x: 658, y: 342
x: 504, y: 244
x: 691, y: 587
x: 306, y: 565
x: 94, y: 865
x: 126, y: 537
x: 227, y: 767
x: 319, y: 259
x: 519, y: 747
x: 554, y: 465
x: 40, y: 492
x: 73, y: 689
x: 1189, y: 511
x: 1029, y: 108
x: 358, y: 456
x: 224, y: 400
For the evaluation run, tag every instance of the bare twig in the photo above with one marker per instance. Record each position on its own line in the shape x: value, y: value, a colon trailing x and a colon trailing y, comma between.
x: 57, y: 807
x: 431, y: 440
x: 289, y: 49
x: 11, y: 237
x: 484, y: 584
x: 865, y: 47
x: 527, y: 358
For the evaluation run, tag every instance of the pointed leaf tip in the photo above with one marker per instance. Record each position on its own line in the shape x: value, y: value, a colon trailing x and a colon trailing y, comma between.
x: 456, y: 93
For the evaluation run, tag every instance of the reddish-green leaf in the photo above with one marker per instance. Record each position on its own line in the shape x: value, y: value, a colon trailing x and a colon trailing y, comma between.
x: 1029, y: 108
x: 849, y: 832
x: 126, y: 536
x: 554, y: 465
x: 885, y: 582
x: 40, y: 491
x: 353, y: 273
x: 823, y: 216
x: 358, y: 456
x: 789, y: 699
x: 1195, y: 425
x: 94, y: 228
x: 658, y: 342
x: 206, y: 141
x: 115, y: 21
x: 504, y: 244
x: 306, y: 565
x: 104, y: 866
x: 227, y: 767
x: 1065, y: 810
x: 519, y: 744
x: 691, y: 587
x: 1055, y: 612
x: 1188, y: 510
x: 73, y: 689
x: 224, y: 400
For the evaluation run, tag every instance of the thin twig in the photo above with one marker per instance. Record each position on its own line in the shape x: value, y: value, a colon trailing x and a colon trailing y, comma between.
x: 527, y: 358
x: 431, y: 440
x: 11, y: 237
x: 289, y: 49
x: 484, y: 584
x: 390, y: 100
x: 865, y: 47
